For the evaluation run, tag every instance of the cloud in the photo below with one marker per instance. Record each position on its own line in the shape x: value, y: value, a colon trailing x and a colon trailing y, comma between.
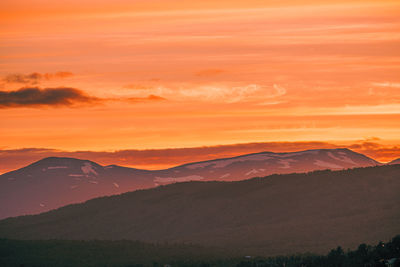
x: 164, y: 158
x: 383, y: 153
x: 34, y: 96
x: 144, y: 99
x: 217, y: 92
x: 61, y: 96
x: 279, y: 90
x: 233, y: 94
x: 35, y: 77
x: 387, y: 84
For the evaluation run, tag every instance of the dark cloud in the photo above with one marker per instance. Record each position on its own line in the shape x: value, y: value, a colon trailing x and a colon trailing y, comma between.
x: 164, y: 158
x: 62, y: 96
x: 35, y: 77
x: 34, y: 96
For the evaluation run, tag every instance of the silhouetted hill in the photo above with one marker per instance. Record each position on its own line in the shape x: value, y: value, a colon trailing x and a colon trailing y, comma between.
x: 54, y: 182
x: 278, y: 214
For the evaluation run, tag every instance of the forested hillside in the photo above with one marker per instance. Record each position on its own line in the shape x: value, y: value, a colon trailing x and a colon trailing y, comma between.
x: 278, y: 214
x: 59, y: 253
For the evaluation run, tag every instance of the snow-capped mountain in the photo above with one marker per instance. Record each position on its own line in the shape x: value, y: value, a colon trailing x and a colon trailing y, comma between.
x: 265, y: 163
x: 54, y: 182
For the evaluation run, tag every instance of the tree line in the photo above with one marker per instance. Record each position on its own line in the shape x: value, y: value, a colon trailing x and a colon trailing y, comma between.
x: 124, y: 253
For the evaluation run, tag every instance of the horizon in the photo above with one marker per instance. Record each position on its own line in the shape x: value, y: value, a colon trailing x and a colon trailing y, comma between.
x: 201, y: 161
x: 150, y: 84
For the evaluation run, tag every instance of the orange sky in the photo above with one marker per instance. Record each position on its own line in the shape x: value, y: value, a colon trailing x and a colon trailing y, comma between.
x: 116, y: 75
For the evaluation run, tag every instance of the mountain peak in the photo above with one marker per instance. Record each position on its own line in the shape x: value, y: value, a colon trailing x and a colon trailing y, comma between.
x: 62, y: 160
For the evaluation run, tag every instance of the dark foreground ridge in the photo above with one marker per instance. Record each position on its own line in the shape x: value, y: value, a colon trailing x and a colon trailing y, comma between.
x: 62, y: 253
x: 278, y: 214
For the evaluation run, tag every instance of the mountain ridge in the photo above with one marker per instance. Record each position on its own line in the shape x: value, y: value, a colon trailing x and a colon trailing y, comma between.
x: 53, y: 182
x: 204, y: 161
x: 286, y: 213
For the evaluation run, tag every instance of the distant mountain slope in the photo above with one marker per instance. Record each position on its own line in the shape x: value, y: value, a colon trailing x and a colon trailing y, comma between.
x: 266, y: 163
x: 54, y: 182
x: 396, y: 161
x: 280, y: 214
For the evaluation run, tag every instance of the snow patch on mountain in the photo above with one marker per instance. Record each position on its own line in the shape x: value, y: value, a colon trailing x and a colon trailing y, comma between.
x: 225, y: 175
x: 256, y: 157
x: 286, y: 163
x: 373, y: 162
x: 327, y: 164
x: 343, y: 158
x: 253, y: 171
x: 75, y: 175
x: 57, y: 167
x: 87, y: 169
x: 178, y: 179
x: 225, y: 162
x: 199, y: 165
x: 300, y: 153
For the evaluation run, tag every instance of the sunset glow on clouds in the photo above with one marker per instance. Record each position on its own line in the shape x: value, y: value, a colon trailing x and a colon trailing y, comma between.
x: 100, y: 75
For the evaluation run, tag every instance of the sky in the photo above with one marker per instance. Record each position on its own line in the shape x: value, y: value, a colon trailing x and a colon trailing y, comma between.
x: 154, y: 84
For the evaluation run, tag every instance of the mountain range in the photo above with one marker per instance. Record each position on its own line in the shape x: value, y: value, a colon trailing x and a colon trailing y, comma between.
x: 277, y: 214
x: 54, y: 182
